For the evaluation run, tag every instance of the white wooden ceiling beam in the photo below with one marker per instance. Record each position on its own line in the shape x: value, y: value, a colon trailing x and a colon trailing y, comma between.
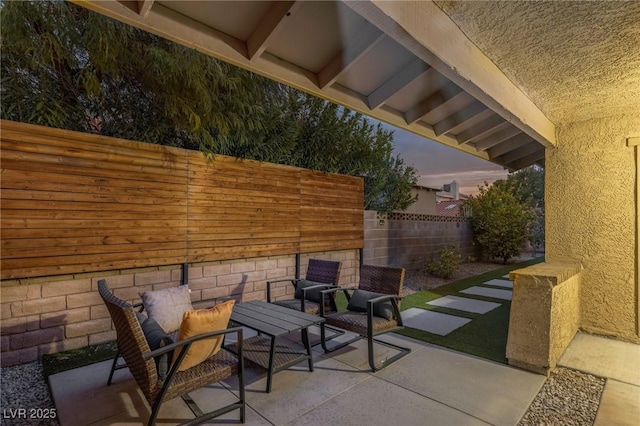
x: 521, y: 152
x: 425, y: 30
x: 405, y: 76
x: 509, y: 145
x: 438, y: 99
x: 528, y: 160
x: 269, y: 26
x: 465, y: 114
x: 490, y: 125
x: 494, y: 139
x: 353, y: 51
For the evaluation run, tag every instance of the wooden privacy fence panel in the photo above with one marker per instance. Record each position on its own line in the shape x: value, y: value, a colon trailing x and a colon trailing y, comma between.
x: 75, y: 202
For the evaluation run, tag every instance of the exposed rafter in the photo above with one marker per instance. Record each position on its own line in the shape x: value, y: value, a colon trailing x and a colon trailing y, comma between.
x: 467, y: 113
x: 486, y: 127
x: 496, y: 138
x: 141, y: 7
x: 509, y: 145
x: 269, y: 25
x: 446, y: 94
x: 406, y: 75
x: 528, y: 160
x: 436, y: 39
x: 354, y: 50
x: 520, y: 152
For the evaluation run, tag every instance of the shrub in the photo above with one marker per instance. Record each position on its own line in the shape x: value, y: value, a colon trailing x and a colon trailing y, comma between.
x: 446, y: 265
x: 500, y: 222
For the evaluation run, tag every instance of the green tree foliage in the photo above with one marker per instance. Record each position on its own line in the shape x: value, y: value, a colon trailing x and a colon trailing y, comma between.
x: 67, y: 67
x: 528, y: 186
x: 501, y: 223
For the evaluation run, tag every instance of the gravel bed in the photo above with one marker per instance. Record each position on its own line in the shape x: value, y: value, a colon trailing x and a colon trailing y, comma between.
x: 568, y: 397
x: 24, y: 397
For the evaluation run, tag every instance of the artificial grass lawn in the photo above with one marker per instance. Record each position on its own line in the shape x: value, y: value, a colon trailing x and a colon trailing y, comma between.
x: 68, y: 360
x: 486, y: 335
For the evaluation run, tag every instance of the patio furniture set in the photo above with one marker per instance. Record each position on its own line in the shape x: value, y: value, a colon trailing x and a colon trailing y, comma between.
x: 175, y: 349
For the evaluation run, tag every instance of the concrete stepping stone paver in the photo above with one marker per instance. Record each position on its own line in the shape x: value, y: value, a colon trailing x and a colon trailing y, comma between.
x: 489, y: 292
x: 433, y: 322
x: 499, y: 283
x: 464, y: 304
x: 505, y: 276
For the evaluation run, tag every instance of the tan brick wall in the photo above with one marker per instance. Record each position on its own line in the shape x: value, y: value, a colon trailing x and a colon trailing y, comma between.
x: 53, y: 314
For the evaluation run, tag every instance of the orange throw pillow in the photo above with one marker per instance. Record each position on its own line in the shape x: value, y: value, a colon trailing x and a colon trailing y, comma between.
x: 203, y: 321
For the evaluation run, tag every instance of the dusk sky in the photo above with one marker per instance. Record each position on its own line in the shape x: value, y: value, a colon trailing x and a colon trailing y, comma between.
x: 438, y: 164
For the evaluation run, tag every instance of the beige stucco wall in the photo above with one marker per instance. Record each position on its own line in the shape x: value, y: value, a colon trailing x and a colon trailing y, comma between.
x: 425, y: 204
x: 545, y: 314
x: 591, y: 217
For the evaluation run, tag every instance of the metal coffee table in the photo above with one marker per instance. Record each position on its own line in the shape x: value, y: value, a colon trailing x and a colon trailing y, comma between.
x: 272, y: 322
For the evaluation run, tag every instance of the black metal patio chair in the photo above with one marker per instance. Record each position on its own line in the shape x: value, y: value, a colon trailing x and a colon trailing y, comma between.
x: 373, y: 309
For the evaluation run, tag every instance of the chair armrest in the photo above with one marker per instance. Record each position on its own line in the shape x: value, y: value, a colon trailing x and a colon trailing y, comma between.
x: 293, y: 281
x: 190, y: 340
x: 394, y: 305
x: 325, y: 293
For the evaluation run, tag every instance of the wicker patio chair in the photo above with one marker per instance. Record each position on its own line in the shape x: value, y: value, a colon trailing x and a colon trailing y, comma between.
x: 326, y: 272
x: 377, y: 313
x: 133, y: 346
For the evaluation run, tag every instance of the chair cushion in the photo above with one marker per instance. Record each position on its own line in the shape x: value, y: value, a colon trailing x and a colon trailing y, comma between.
x: 312, y: 308
x: 358, y: 303
x: 203, y: 321
x: 167, y: 306
x: 156, y: 339
x: 314, y: 295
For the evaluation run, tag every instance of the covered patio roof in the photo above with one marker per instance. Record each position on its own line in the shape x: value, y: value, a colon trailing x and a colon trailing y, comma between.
x: 491, y: 79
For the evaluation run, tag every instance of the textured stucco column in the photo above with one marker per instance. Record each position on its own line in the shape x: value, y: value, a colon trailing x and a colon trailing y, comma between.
x: 591, y: 217
x: 545, y: 315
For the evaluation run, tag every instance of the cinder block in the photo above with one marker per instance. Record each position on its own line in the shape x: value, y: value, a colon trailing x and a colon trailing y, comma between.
x: 202, y: 283
x: 114, y: 281
x: 39, y: 306
x: 243, y: 267
x: 266, y: 264
x: 216, y: 270
x: 20, y: 356
x: 63, y: 345
x: 152, y: 277
x: 99, y: 311
x: 286, y: 262
x: 19, y: 293
x: 215, y: 293
x: 4, y: 343
x: 274, y: 274
x: 231, y: 279
x: 195, y: 272
x: 254, y: 295
x: 104, y: 337
x: 240, y: 289
x: 33, y: 322
x: 255, y: 276
x: 55, y: 319
x: 37, y: 337
x: 86, y: 328
x: 13, y: 326
x: 128, y: 293
x: 5, y: 311
x: 81, y: 300
x: 62, y: 288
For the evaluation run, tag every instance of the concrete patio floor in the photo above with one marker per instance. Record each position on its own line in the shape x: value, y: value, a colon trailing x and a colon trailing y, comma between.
x: 431, y: 385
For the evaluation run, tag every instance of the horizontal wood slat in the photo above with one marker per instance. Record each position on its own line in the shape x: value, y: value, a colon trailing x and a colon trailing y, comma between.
x: 75, y: 202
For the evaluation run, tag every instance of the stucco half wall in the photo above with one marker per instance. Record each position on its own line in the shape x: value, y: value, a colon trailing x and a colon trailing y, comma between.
x: 591, y: 210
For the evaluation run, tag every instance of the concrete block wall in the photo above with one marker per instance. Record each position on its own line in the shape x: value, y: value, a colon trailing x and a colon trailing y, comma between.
x: 408, y: 240
x: 54, y: 314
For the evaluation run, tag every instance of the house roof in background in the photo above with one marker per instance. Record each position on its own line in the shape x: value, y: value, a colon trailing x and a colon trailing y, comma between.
x: 449, y: 208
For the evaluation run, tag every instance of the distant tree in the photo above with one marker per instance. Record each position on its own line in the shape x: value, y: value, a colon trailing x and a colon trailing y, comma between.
x: 528, y: 186
x: 67, y: 67
x: 501, y: 223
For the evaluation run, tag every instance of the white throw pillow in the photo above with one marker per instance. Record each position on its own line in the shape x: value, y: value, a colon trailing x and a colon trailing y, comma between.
x: 167, y: 306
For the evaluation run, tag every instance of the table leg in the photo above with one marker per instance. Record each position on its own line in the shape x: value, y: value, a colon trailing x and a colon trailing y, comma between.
x: 272, y: 357
x: 307, y: 344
